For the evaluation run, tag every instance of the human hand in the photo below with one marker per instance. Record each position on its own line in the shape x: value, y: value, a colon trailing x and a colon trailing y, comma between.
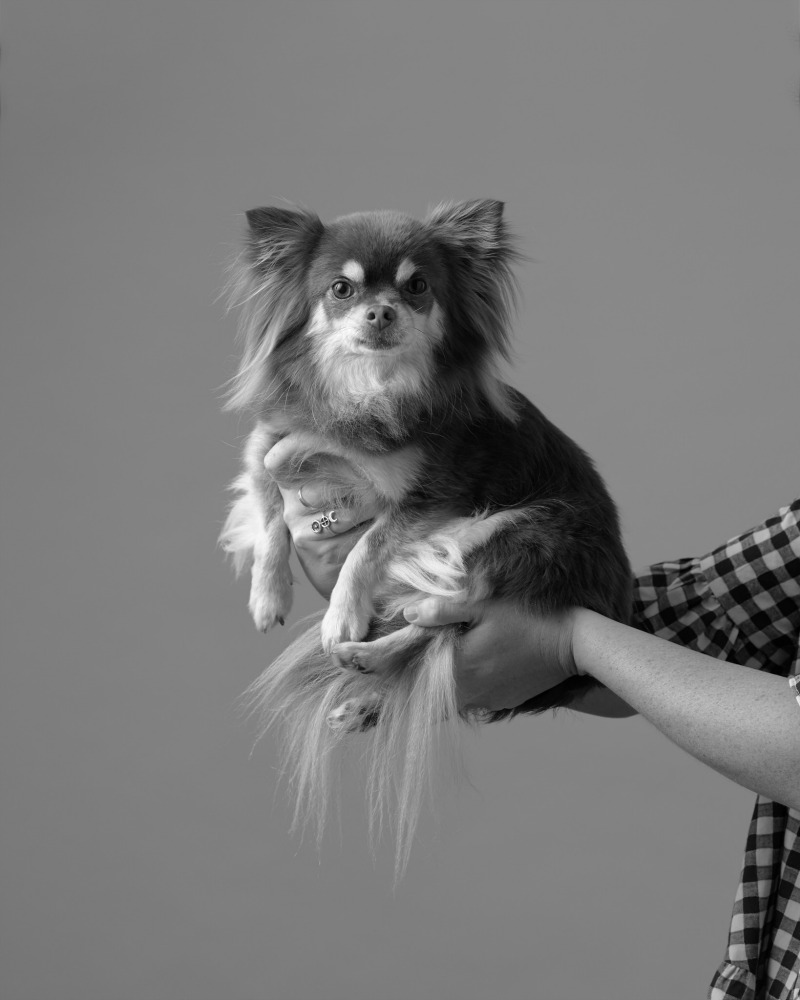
x: 507, y: 655
x: 321, y: 554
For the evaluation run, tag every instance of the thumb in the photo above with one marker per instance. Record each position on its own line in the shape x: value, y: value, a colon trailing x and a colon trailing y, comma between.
x: 438, y: 611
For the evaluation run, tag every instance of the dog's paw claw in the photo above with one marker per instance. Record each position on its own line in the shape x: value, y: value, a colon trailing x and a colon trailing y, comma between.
x: 346, y: 655
x: 270, y: 602
x: 341, y: 718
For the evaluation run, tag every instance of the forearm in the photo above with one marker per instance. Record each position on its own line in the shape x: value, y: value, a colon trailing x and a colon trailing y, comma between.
x: 742, y: 722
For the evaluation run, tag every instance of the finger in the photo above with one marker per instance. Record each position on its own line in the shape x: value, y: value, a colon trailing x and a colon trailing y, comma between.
x: 299, y: 512
x: 310, y: 497
x: 308, y: 503
x: 313, y: 490
x: 437, y: 611
x: 323, y: 525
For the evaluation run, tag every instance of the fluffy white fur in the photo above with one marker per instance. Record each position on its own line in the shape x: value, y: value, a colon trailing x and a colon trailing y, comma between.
x: 385, y: 382
x: 316, y: 706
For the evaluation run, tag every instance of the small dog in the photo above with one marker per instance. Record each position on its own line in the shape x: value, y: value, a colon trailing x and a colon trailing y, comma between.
x: 370, y: 357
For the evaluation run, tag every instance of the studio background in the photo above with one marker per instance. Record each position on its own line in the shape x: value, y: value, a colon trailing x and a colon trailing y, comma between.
x: 649, y: 158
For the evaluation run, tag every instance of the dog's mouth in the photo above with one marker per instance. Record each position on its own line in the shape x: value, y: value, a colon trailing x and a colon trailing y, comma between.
x: 381, y: 343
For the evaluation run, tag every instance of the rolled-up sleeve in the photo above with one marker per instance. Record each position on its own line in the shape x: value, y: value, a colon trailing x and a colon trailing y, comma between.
x: 741, y: 602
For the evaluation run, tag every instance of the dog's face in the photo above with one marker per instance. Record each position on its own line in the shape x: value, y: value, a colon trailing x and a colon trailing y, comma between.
x: 375, y: 321
x: 373, y: 284
x: 373, y: 306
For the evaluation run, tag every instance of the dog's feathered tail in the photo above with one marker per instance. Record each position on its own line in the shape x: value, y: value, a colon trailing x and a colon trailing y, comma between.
x: 414, y: 734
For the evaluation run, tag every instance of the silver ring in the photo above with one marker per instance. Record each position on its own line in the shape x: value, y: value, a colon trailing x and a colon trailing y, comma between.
x: 321, y: 523
x: 303, y: 500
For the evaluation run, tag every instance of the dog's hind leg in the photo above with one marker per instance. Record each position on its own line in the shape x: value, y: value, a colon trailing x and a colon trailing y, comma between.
x: 390, y: 652
x: 355, y: 716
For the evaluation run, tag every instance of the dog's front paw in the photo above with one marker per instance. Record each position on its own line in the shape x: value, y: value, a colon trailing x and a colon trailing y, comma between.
x: 270, y: 596
x: 343, y: 625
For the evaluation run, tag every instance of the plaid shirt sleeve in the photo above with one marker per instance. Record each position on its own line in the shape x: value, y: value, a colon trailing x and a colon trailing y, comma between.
x: 741, y: 603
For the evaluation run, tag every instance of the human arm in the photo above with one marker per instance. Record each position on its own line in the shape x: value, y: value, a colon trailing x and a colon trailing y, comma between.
x: 509, y: 656
x: 742, y: 722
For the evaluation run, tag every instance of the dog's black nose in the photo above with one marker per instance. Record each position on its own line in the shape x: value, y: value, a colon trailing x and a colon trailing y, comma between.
x: 380, y: 317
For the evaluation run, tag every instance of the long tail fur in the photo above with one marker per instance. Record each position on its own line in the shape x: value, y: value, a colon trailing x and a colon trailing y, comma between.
x: 416, y: 734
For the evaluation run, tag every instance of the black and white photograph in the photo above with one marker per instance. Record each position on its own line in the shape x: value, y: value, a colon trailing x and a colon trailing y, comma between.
x: 400, y: 519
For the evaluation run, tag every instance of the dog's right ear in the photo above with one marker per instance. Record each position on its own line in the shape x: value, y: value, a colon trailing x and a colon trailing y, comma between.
x: 268, y: 285
x: 281, y: 237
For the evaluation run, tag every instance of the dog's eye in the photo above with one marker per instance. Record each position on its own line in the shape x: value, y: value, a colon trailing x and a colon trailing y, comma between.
x: 342, y: 289
x: 417, y: 286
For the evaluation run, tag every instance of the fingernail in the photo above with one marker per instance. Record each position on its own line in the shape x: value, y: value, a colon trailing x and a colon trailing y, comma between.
x: 411, y: 613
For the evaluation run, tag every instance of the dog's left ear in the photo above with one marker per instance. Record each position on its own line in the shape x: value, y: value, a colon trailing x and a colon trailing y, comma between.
x: 479, y: 251
x: 476, y: 228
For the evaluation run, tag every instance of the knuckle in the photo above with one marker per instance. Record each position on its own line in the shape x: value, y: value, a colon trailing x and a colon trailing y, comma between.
x: 433, y: 609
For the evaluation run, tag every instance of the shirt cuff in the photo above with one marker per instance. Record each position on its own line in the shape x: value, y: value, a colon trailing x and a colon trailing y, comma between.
x: 794, y: 684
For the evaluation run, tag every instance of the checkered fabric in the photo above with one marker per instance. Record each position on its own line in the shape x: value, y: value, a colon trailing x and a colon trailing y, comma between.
x: 741, y: 603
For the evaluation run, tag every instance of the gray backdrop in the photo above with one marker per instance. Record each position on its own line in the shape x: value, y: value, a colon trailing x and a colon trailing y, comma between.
x: 649, y: 157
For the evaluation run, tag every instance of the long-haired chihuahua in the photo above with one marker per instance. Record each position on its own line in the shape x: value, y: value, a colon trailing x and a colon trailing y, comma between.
x: 370, y: 360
